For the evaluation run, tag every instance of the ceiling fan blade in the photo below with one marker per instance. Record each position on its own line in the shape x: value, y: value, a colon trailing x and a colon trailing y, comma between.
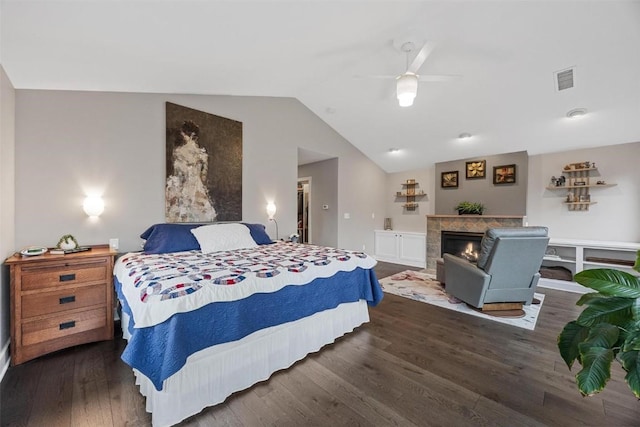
x: 438, y: 78
x: 369, y: 76
x: 422, y: 55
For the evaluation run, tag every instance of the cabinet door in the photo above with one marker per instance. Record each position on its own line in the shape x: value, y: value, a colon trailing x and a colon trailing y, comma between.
x: 413, y: 249
x: 386, y: 245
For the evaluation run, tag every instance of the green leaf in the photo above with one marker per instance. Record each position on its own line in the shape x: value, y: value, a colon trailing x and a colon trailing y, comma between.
x: 588, y: 297
x: 631, y: 343
x: 613, y: 310
x: 610, y: 282
x: 569, y: 339
x: 630, y: 336
x: 602, y: 335
x: 636, y: 267
x: 631, y: 363
x: 635, y: 310
x: 596, y: 370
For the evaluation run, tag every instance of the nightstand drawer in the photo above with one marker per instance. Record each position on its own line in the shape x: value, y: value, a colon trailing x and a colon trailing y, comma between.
x: 44, y: 277
x: 51, y: 328
x: 62, y: 300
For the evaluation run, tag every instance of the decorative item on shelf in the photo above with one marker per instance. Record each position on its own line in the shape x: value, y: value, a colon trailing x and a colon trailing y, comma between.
x: 469, y: 208
x: 579, y: 183
x: 601, y: 183
x: 387, y: 224
x: 476, y: 169
x: 67, y: 242
x: 449, y: 179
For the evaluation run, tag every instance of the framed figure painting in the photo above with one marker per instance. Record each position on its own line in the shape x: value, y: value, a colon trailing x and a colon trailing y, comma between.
x: 505, y: 174
x: 203, y: 166
x: 449, y: 179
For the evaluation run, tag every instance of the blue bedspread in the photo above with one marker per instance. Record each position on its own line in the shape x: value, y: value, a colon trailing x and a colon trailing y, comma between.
x: 160, y: 351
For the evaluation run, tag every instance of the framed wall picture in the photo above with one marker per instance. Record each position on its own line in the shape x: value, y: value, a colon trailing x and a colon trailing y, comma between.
x: 449, y: 179
x: 476, y: 169
x: 505, y: 174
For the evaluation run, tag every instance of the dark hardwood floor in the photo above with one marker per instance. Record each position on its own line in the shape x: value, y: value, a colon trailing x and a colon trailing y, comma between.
x: 413, y: 365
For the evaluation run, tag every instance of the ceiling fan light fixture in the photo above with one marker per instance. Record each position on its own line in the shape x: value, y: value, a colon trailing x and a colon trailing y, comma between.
x: 407, y: 89
x: 577, y: 112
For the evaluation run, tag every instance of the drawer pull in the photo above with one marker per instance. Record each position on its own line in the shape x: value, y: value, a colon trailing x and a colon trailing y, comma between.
x: 67, y: 325
x: 67, y: 277
x: 66, y: 300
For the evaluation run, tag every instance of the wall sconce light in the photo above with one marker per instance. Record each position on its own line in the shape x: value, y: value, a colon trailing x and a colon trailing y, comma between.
x: 271, y: 212
x: 93, y: 206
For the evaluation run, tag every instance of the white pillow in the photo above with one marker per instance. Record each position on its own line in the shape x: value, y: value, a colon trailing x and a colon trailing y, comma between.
x: 223, y: 237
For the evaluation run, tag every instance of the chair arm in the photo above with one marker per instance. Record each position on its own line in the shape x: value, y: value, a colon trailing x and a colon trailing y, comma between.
x: 459, y: 266
x: 465, y: 280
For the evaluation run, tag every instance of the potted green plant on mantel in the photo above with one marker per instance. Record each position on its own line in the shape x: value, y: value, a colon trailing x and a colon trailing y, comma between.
x: 608, y: 329
x: 469, y: 208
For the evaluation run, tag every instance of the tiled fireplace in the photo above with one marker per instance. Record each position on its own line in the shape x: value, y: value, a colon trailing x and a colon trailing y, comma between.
x: 467, y: 223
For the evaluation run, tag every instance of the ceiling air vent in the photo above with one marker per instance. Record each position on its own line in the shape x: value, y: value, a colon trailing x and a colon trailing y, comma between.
x: 564, y: 79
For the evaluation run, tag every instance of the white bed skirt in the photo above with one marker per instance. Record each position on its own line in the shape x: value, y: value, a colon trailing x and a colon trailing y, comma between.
x: 213, y: 374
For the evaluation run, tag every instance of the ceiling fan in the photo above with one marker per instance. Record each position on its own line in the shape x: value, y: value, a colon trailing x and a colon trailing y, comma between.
x: 407, y: 82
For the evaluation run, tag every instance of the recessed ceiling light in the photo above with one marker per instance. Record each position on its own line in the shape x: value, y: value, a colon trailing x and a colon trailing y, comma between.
x: 464, y: 135
x: 577, y: 112
x: 394, y: 150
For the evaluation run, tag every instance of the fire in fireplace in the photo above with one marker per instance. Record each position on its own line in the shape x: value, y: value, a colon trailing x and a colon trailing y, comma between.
x: 463, y: 244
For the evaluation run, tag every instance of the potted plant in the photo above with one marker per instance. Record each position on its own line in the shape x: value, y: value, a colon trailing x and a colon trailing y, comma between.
x: 469, y: 208
x: 608, y: 329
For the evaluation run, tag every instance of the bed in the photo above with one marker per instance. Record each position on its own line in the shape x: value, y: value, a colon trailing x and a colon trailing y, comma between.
x: 209, y: 310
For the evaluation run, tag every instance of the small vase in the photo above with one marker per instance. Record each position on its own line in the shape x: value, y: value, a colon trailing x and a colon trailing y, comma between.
x: 67, y: 244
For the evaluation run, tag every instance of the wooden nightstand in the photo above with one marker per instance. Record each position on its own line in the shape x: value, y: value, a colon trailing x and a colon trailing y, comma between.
x: 58, y: 301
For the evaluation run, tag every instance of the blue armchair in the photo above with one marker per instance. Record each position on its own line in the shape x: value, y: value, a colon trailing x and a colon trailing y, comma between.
x: 507, y: 270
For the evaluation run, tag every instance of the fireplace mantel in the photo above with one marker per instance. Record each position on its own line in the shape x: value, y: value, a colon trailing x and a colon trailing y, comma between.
x: 520, y: 217
x: 470, y: 223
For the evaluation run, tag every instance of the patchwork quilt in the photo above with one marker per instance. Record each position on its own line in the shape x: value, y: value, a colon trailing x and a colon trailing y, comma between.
x: 182, y: 302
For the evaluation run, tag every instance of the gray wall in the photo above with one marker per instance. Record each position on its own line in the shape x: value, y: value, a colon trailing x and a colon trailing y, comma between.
x: 506, y: 199
x: 71, y: 143
x: 324, y: 191
x: 7, y: 207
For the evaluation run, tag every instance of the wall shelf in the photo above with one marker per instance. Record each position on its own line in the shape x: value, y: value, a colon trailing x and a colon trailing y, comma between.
x: 410, y: 193
x: 578, y: 182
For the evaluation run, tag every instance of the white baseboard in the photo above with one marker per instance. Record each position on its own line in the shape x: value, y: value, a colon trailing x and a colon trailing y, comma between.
x: 562, y: 285
x: 5, y: 359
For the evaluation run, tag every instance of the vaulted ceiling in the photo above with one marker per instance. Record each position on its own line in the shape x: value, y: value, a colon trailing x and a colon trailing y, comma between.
x: 326, y: 54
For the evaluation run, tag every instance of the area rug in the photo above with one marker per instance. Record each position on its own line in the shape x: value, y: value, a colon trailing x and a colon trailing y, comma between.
x: 424, y: 288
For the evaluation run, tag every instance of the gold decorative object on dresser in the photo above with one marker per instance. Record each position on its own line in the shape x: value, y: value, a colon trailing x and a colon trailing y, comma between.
x: 410, y: 192
x: 577, y: 181
x: 59, y: 301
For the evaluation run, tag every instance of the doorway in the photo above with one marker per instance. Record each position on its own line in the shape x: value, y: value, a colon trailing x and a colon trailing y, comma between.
x: 304, y: 209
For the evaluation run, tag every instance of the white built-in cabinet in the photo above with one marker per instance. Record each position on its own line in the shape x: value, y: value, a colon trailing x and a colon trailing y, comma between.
x: 401, y: 247
x: 578, y: 255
